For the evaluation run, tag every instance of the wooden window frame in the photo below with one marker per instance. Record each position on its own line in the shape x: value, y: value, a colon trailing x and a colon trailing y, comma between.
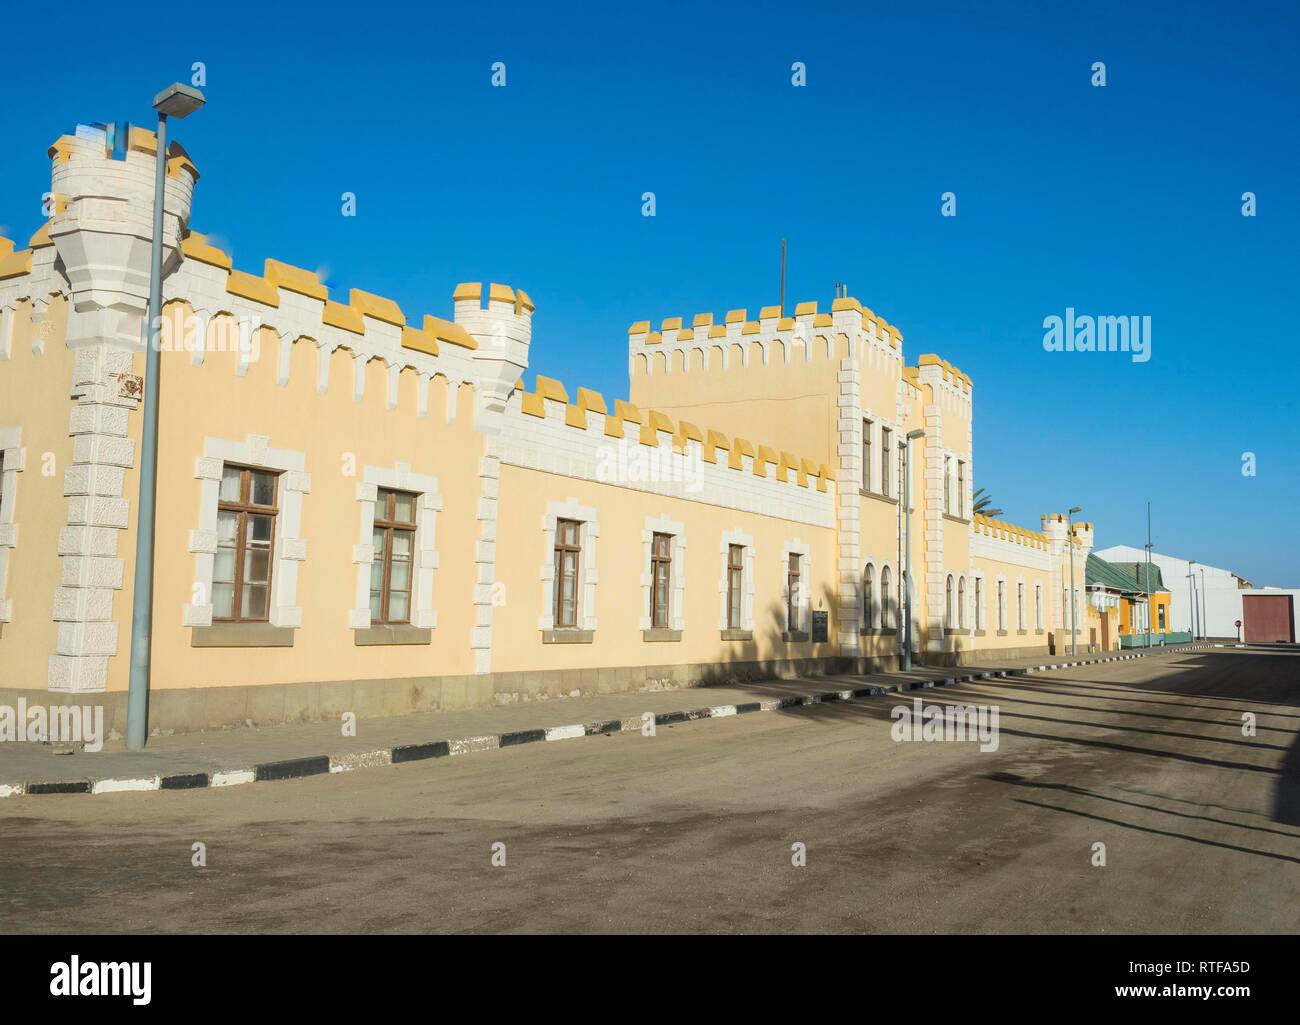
x: 793, y: 575
x: 888, y: 619
x: 886, y: 436
x: 563, y: 550
x: 735, y: 587
x: 867, y: 454
x: 869, y: 598
x: 657, y: 559
x: 243, y: 508
x: 387, y: 522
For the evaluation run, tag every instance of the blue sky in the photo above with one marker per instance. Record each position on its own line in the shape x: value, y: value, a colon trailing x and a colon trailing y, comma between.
x: 1117, y: 200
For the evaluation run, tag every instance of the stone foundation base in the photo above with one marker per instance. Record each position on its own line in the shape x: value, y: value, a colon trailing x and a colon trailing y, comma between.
x: 188, y: 710
x: 983, y: 657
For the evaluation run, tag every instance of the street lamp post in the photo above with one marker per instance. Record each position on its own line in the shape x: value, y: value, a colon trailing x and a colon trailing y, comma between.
x: 1191, y: 598
x: 1069, y: 548
x: 176, y: 101
x: 1205, y: 610
x: 906, y: 499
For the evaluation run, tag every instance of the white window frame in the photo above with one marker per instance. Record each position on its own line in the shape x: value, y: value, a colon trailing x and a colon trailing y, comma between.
x: 428, y: 504
x: 1022, y: 622
x: 290, y: 547
x: 677, y: 598
x: 13, y: 460
x: 1038, y: 607
x: 746, y: 541
x: 962, y: 598
x: 1001, y: 591
x: 979, y: 595
x: 588, y: 535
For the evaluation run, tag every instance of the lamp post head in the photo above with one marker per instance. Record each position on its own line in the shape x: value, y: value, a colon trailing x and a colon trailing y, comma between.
x: 1075, y: 509
x: 178, y: 101
x: 918, y: 433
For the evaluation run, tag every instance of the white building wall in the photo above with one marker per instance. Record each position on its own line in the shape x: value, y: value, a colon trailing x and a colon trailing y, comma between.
x: 1219, y: 599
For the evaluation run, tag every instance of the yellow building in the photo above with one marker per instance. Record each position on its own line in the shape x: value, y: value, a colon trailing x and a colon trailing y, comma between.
x: 1136, y: 614
x: 360, y: 510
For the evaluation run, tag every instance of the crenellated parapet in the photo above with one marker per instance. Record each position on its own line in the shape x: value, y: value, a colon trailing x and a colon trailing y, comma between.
x: 951, y: 388
x: 655, y: 429
x: 707, y: 343
x: 582, y: 436
x: 997, y: 530
x: 483, y: 346
x: 96, y: 250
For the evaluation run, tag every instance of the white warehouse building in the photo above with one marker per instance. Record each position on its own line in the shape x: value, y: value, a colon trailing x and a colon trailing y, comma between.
x: 1217, y: 591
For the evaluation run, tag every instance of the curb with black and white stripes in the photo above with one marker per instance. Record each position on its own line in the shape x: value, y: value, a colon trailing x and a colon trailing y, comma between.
x: 319, y: 765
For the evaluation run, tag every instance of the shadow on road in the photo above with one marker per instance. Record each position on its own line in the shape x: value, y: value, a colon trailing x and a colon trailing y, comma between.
x: 1266, y: 684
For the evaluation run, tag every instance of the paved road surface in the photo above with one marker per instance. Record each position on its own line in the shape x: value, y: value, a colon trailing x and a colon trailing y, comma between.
x: 691, y: 830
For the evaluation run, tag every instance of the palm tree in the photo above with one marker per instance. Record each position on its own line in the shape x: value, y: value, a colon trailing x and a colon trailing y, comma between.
x: 984, y: 503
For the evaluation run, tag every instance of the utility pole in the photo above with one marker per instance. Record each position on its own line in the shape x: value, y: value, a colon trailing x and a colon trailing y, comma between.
x: 1148, y: 574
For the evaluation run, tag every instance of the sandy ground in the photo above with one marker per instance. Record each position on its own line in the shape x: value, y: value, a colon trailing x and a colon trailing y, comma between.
x: 691, y: 830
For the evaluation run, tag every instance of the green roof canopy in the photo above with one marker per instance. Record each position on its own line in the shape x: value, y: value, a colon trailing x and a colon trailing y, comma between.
x: 1100, y: 573
x: 1136, y: 573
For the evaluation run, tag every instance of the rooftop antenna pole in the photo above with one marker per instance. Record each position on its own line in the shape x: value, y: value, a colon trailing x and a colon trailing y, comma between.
x: 783, y: 277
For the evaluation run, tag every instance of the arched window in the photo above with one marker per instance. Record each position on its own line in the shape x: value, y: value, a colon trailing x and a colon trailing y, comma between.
x: 886, y: 598
x: 869, y: 597
x: 948, y: 617
x: 961, y: 603
x: 1038, y: 606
